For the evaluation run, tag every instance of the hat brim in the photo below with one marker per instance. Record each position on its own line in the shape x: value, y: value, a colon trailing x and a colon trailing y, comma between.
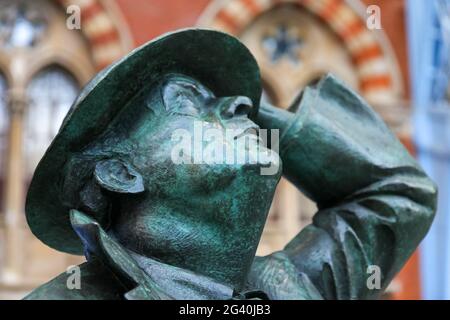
x: 217, y: 60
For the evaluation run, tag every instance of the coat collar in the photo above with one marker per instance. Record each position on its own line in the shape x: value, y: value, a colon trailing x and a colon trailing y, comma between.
x: 146, y: 277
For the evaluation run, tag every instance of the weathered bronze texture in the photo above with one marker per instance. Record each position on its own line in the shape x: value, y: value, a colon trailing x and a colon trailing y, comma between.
x: 154, y: 229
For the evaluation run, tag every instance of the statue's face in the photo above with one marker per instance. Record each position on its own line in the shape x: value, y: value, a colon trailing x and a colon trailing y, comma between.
x: 198, y: 211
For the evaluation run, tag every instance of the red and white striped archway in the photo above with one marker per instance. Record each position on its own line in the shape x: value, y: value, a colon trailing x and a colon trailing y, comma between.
x: 376, y: 66
x: 101, y: 30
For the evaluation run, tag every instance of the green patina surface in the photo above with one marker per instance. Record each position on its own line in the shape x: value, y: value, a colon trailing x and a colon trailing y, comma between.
x: 154, y: 229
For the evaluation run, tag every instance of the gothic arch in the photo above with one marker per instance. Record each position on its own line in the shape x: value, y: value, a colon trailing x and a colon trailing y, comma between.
x: 376, y: 65
x: 104, y: 29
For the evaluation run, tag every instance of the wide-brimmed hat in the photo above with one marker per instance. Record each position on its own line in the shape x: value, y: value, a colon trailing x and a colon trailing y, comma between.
x: 217, y: 60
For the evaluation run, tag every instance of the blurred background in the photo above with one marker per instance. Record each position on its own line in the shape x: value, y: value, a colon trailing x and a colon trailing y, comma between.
x: 393, y: 52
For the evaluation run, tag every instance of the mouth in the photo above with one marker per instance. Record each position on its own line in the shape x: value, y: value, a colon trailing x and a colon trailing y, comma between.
x: 251, y: 131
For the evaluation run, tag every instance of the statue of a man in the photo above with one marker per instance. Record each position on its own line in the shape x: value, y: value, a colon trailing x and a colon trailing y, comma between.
x: 152, y: 228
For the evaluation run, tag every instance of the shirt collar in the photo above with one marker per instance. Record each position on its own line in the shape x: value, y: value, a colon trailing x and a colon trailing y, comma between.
x: 147, y: 278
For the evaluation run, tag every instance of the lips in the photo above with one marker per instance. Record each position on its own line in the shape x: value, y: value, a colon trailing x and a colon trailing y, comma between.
x: 249, y: 131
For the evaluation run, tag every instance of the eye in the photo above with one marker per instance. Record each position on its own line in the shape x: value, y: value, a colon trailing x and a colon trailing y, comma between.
x: 187, y: 106
x: 180, y: 100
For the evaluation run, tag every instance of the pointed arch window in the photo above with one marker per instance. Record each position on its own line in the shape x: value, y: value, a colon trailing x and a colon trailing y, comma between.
x: 45, y: 64
x: 46, y: 110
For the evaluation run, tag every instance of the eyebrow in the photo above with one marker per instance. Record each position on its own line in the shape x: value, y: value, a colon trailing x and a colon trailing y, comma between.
x: 199, y: 89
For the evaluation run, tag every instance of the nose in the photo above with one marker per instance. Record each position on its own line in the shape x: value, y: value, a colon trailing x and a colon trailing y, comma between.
x: 230, y: 107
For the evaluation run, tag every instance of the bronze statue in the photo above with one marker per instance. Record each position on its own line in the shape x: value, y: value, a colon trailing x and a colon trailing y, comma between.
x: 151, y: 228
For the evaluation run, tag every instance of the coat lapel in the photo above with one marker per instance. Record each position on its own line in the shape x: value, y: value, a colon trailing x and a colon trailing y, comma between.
x: 147, y: 278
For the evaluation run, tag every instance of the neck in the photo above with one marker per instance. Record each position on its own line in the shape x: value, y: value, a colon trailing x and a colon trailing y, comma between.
x: 174, y: 233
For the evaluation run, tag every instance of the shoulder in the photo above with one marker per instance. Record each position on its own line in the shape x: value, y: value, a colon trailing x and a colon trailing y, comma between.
x: 96, y: 282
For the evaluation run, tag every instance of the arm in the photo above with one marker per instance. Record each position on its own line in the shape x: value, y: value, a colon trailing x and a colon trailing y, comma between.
x: 375, y: 202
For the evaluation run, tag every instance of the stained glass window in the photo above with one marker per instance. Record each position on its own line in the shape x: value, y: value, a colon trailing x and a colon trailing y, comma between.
x: 282, y: 44
x: 50, y: 93
x: 22, y: 24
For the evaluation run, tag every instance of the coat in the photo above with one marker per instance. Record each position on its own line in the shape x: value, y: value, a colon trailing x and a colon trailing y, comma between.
x: 375, y: 205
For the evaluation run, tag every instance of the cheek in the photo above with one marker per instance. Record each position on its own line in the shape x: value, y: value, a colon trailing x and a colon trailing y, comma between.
x: 163, y: 175
x: 154, y: 163
x: 203, y: 179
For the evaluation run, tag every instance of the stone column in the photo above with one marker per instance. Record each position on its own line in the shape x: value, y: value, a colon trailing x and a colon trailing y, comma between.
x: 14, y: 196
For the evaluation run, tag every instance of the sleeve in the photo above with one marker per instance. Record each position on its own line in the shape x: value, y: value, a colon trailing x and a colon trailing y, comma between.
x: 375, y: 202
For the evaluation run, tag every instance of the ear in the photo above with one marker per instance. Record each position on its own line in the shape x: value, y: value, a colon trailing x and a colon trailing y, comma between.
x: 117, y: 176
